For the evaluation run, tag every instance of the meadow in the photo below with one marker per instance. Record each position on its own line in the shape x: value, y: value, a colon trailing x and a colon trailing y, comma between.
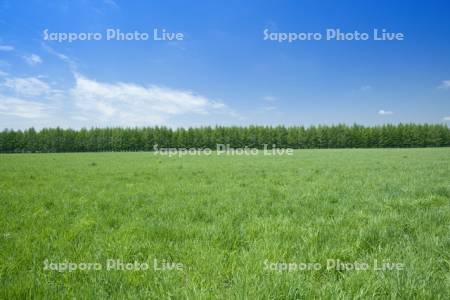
x: 226, y: 227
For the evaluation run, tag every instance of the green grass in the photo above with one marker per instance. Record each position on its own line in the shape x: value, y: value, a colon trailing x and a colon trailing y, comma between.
x: 222, y: 217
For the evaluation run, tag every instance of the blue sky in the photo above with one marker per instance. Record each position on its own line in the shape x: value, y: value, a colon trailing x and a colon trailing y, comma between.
x: 223, y: 71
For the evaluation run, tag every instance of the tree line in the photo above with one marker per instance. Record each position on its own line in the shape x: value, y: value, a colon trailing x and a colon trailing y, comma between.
x: 297, y: 137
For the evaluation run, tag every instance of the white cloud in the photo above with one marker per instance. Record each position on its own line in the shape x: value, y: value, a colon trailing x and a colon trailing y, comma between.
x: 385, y: 112
x: 6, y: 48
x: 217, y: 105
x: 32, y: 59
x: 22, y: 108
x: 94, y: 103
x: 445, y: 84
x: 3, y: 74
x: 61, y: 56
x: 446, y: 118
x: 79, y: 118
x: 27, y: 86
x: 269, y: 99
x: 128, y: 103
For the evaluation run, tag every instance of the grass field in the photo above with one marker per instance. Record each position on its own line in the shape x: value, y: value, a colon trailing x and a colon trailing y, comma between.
x: 225, y: 219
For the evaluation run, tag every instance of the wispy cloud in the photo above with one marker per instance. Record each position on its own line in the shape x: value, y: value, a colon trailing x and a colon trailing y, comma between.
x: 129, y: 103
x: 269, y: 98
x: 385, y: 112
x: 26, y: 86
x: 32, y: 59
x: 6, y: 48
x: 29, y: 98
x: 60, y: 56
x: 22, y: 108
x: 445, y: 84
x: 95, y: 103
x: 446, y: 119
x: 269, y: 105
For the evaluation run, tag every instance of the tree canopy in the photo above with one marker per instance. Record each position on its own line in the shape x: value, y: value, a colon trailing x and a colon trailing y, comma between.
x: 297, y: 137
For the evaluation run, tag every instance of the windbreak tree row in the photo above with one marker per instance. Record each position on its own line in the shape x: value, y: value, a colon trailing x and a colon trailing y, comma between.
x: 297, y: 137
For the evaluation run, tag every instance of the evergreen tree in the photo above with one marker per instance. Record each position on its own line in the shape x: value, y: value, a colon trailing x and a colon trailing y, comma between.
x: 298, y: 137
